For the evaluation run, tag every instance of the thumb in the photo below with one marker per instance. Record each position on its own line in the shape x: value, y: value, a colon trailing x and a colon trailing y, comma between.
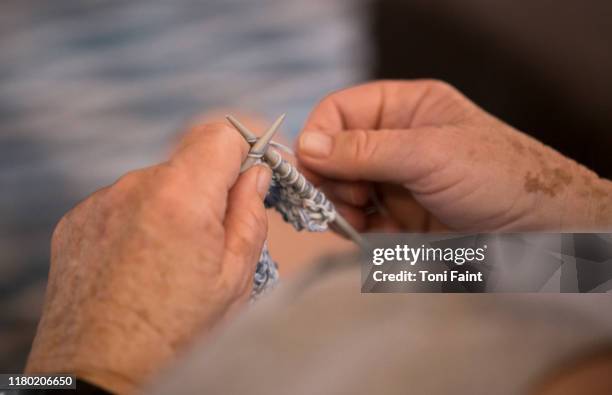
x: 246, y: 226
x: 387, y: 155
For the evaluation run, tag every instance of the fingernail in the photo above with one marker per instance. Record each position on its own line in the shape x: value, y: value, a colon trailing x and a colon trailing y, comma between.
x: 315, y: 144
x: 264, y: 176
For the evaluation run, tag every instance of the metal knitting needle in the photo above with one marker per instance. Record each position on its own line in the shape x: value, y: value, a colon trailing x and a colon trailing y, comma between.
x: 286, y: 170
x: 261, y: 145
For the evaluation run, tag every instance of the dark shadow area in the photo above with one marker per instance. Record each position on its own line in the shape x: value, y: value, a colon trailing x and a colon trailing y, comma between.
x: 501, y: 55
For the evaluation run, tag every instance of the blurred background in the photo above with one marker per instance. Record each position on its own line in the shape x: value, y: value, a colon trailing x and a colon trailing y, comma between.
x: 92, y: 89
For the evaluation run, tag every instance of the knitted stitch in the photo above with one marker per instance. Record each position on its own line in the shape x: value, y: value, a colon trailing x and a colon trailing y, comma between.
x: 298, y: 201
x: 303, y: 212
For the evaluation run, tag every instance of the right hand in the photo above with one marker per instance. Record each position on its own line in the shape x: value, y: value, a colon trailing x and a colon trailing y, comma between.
x: 439, y: 162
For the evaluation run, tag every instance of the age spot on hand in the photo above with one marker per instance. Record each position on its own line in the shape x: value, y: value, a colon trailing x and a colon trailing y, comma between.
x: 549, y: 181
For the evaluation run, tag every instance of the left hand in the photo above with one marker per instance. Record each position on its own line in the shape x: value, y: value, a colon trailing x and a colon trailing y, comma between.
x: 141, y: 267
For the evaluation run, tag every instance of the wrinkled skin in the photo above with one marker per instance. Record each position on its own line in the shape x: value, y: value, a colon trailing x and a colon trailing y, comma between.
x: 436, y: 161
x: 142, y: 266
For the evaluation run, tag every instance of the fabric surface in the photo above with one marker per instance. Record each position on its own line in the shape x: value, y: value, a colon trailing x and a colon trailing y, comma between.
x: 319, y: 335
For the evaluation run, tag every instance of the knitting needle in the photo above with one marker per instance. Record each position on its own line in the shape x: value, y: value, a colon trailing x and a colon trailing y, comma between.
x: 259, y: 147
x: 273, y: 158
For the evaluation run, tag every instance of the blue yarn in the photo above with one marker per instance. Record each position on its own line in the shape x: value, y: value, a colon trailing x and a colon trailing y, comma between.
x: 301, y: 217
x: 301, y: 205
x: 273, y: 197
x: 266, y: 273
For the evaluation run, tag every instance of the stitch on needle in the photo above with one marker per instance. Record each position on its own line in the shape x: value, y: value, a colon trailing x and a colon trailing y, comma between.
x: 297, y: 200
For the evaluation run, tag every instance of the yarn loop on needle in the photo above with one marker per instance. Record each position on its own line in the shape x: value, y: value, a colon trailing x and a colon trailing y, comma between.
x: 297, y: 200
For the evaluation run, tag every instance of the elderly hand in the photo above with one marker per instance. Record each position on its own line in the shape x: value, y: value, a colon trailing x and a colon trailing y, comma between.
x: 437, y: 162
x: 140, y: 267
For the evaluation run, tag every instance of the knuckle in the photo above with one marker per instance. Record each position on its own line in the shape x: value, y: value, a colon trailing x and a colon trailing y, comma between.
x: 216, y: 128
x: 59, y: 231
x: 220, y: 132
x: 70, y: 225
x: 443, y: 97
x: 121, y: 192
x: 216, y: 140
x: 446, y: 91
x: 440, y: 86
x: 126, y: 183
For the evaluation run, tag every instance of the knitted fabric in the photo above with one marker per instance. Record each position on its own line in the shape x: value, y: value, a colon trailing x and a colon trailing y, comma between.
x: 266, y: 274
x: 312, y: 214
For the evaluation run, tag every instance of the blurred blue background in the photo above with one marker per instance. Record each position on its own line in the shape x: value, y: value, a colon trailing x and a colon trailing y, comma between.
x: 92, y: 89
